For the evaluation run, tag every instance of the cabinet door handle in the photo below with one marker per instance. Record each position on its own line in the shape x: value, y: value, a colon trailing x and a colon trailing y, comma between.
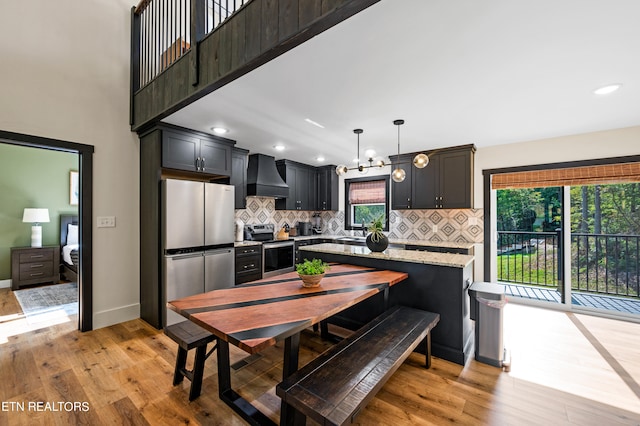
x: 37, y: 256
x: 198, y: 163
x: 36, y: 274
x: 249, y: 266
x: 202, y: 164
x: 37, y: 265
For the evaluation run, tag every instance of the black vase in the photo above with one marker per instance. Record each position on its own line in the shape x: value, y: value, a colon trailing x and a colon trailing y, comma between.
x: 379, y: 245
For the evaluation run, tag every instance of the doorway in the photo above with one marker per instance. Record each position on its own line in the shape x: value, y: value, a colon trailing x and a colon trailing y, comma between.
x: 85, y: 213
x: 567, y: 235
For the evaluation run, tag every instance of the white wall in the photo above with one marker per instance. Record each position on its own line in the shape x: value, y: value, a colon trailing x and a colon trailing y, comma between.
x: 65, y: 75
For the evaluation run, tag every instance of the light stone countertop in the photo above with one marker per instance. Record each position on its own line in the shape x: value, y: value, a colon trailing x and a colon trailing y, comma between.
x: 426, y: 243
x: 246, y: 243
x: 413, y: 256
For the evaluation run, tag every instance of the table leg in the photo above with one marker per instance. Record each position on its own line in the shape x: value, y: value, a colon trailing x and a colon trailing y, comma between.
x: 288, y: 414
x: 230, y: 397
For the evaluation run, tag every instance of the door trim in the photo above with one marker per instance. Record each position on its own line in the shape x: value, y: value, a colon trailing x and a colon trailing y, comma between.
x: 85, y: 213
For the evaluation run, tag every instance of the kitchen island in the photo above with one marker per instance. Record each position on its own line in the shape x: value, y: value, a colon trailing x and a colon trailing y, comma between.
x: 437, y: 282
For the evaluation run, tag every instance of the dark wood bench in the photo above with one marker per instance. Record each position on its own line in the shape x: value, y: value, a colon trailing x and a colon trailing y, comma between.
x: 335, y: 386
x: 188, y: 336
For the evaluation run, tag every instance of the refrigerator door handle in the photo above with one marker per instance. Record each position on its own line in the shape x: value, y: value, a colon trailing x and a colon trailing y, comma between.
x: 183, y: 255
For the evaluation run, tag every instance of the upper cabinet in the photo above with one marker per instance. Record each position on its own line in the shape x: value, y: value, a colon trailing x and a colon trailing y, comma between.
x: 327, y: 188
x: 239, y: 160
x: 446, y: 182
x: 301, y: 180
x: 195, y: 153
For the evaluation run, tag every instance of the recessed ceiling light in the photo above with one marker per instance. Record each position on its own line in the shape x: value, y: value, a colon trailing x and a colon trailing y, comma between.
x: 308, y: 120
x: 219, y: 130
x: 320, y: 158
x: 609, y: 88
x: 278, y: 147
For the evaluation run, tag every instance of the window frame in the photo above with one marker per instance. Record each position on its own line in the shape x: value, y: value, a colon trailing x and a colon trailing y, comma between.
x: 348, y: 206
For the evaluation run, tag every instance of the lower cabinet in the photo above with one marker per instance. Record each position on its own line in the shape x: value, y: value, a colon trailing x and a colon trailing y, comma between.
x: 248, y: 264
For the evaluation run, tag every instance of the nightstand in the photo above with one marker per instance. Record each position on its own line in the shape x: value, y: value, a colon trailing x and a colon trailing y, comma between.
x: 34, y: 265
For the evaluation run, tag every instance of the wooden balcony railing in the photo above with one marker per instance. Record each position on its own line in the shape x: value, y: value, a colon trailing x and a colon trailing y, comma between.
x: 164, y: 30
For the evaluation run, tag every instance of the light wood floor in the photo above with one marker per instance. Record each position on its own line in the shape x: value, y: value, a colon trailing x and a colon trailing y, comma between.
x: 566, y: 369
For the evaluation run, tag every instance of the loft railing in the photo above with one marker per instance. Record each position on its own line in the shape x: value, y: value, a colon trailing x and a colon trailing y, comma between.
x: 600, y: 263
x: 164, y: 30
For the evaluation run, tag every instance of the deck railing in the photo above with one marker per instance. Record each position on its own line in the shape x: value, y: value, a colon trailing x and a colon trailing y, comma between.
x: 600, y: 263
x: 164, y: 30
x: 606, y: 264
x: 528, y: 257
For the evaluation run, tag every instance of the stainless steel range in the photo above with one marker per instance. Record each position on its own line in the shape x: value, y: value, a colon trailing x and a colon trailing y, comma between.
x: 277, y: 255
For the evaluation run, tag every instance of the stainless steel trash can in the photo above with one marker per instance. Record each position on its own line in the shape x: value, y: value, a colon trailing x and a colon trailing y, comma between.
x: 487, y: 303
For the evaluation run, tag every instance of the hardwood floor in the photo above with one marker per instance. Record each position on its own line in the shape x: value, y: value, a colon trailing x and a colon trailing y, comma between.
x: 566, y: 369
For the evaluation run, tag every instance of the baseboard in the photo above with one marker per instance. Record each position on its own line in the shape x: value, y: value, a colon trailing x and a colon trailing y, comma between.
x: 115, y: 316
x: 5, y: 283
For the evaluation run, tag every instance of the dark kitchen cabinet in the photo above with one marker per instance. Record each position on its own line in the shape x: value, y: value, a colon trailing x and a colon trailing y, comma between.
x: 239, y: 160
x: 446, y: 182
x: 196, y: 153
x: 301, y: 180
x: 327, y: 198
x: 248, y: 263
x: 401, y: 192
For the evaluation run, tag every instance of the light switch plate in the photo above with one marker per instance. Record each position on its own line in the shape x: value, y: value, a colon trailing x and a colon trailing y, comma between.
x: 434, y: 228
x: 473, y: 221
x: 106, y: 221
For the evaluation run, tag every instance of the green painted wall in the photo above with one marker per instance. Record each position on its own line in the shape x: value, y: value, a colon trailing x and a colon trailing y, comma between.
x: 31, y: 177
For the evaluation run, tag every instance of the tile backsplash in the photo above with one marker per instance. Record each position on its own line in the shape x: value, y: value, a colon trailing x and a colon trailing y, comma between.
x: 457, y: 225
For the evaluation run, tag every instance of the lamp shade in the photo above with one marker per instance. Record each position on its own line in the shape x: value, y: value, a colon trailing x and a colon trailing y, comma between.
x: 35, y: 215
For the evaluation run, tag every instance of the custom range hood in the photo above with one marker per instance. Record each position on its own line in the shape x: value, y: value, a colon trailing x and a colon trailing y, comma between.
x: 263, y: 179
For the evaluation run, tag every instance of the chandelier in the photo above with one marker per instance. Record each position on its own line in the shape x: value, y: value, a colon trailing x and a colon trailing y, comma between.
x: 398, y: 174
x: 362, y: 168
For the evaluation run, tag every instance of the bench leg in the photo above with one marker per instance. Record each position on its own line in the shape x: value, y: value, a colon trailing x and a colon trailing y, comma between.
x: 198, y: 372
x: 181, y: 362
x: 427, y: 341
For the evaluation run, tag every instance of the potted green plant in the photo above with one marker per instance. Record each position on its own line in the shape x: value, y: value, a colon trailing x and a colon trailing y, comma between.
x: 311, y: 272
x: 376, y: 240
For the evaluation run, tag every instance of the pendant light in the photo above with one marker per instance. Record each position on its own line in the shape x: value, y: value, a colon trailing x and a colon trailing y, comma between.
x: 398, y: 175
x: 341, y: 170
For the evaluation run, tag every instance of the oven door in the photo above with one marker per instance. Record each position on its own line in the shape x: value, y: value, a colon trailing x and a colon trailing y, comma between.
x: 277, y: 258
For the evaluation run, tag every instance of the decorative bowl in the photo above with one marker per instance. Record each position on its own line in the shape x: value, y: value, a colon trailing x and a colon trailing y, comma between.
x: 311, y: 280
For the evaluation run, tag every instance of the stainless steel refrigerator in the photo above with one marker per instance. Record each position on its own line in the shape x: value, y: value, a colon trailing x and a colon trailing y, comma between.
x: 197, y: 235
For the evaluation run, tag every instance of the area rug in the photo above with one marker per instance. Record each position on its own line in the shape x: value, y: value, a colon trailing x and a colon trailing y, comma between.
x: 40, y: 303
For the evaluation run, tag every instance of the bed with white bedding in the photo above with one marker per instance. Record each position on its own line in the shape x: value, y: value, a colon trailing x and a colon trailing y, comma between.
x: 69, y: 245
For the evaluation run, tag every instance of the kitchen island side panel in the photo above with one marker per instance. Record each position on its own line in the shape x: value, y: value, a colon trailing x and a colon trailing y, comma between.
x: 439, y: 289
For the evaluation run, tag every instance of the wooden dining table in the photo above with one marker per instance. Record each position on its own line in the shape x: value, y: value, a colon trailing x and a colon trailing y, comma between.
x: 257, y: 315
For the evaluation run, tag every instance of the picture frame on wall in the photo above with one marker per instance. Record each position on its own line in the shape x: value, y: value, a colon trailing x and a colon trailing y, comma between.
x: 74, y: 187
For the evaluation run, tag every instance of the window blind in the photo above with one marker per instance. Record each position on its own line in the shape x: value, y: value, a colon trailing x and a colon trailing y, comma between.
x: 574, y: 176
x: 370, y: 192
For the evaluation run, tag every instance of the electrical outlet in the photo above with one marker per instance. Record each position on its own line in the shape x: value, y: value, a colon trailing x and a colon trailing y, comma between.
x: 106, y: 221
x: 473, y: 221
x: 434, y: 228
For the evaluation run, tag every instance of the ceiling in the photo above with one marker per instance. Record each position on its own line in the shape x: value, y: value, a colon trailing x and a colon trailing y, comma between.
x: 458, y: 72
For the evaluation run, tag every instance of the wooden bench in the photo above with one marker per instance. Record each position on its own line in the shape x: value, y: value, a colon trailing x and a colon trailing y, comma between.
x: 188, y: 336
x: 335, y: 386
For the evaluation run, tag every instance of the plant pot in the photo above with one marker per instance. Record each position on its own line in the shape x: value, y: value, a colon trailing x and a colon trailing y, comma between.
x: 311, y: 280
x: 377, y: 246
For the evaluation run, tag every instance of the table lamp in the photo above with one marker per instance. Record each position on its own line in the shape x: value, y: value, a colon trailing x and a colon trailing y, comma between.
x: 36, y: 216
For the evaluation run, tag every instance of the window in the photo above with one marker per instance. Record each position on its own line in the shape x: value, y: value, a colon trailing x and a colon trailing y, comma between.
x: 366, y: 199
